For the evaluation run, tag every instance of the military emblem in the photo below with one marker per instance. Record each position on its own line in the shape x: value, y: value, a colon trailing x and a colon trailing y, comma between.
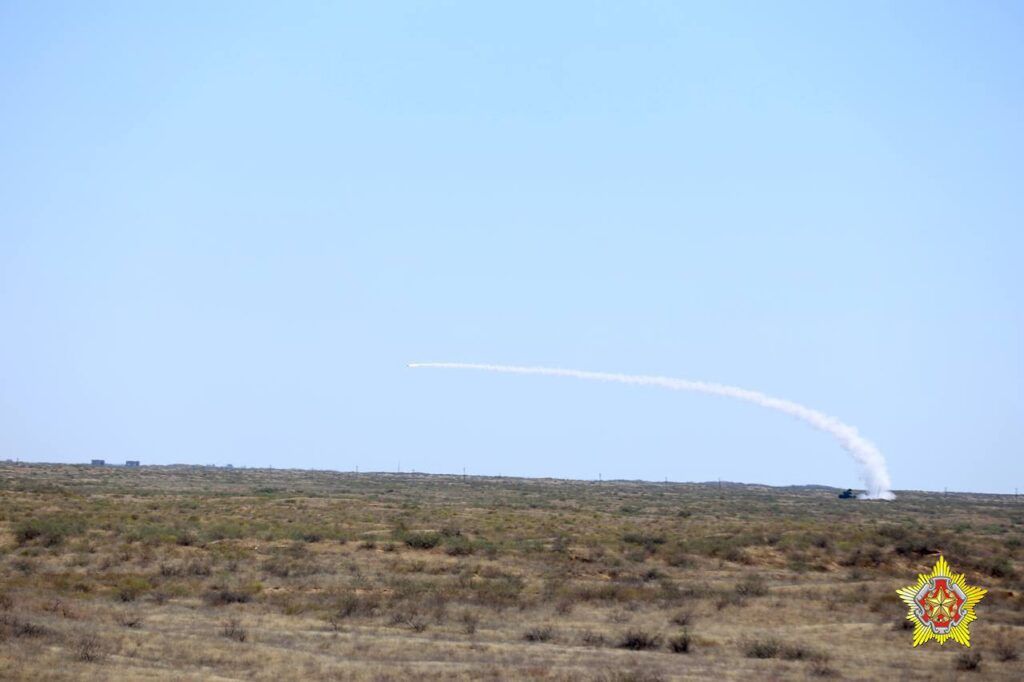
x: 941, y: 605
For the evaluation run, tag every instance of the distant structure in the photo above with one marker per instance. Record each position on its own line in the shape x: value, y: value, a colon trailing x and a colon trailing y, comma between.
x: 847, y: 494
x: 98, y: 462
x: 132, y: 463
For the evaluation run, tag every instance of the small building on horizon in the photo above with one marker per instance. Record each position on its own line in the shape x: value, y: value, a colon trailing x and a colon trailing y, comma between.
x: 131, y: 463
x: 99, y: 462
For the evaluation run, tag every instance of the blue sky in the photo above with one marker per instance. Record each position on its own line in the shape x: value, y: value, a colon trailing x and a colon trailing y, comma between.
x: 225, y: 228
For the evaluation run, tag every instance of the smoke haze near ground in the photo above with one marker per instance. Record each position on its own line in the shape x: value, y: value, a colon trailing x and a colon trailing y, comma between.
x: 866, y: 454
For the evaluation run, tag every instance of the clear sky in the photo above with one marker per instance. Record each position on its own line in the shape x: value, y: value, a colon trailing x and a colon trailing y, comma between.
x: 225, y: 228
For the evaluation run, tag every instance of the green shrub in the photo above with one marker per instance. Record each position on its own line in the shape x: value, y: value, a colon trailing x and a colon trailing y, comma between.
x: 48, y: 531
x: 644, y: 539
x: 458, y: 546
x: 130, y: 587
x: 422, y: 540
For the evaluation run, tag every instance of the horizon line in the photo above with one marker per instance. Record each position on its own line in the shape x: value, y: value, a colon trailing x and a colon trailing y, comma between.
x: 413, y: 472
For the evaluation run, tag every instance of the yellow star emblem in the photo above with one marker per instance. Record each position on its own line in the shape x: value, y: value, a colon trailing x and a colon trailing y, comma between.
x: 941, y: 605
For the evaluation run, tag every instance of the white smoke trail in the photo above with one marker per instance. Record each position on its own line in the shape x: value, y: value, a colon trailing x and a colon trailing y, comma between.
x: 876, y: 475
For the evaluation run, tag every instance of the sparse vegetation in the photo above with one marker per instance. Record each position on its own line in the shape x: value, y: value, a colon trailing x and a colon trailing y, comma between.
x: 1006, y: 649
x: 541, y: 633
x: 639, y: 640
x: 752, y: 586
x: 88, y: 648
x: 325, y: 575
x: 423, y: 540
x: 969, y: 661
x: 232, y: 629
x: 762, y: 648
x: 46, y: 531
x: 680, y: 644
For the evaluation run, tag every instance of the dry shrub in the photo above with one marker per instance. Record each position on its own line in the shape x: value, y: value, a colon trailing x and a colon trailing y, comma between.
x: 351, y: 605
x: 752, y: 586
x: 969, y: 661
x: 678, y: 558
x: 761, y: 648
x: 542, y: 633
x: 199, y: 567
x: 60, y: 608
x: 232, y: 629
x: 680, y: 644
x: 822, y: 669
x: 903, y: 624
x: 469, y: 621
x: 223, y: 596
x: 24, y: 565
x: 13, y: 626
x: 410, y: 616
x: 648, y: 541
x: 639, y: 640
x: 563, y: 607
x: 1006, y: 649
x: 633, y: 675
x: 498, y: 593
x: 798, y: 652
x: 88, y: 649
x: 682, y: 619
x: 726, y: 599
x: 284, y: 567
x: 129, y: 619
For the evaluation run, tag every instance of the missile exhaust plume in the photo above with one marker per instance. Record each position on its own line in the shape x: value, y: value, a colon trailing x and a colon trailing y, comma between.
x: 876, y: 474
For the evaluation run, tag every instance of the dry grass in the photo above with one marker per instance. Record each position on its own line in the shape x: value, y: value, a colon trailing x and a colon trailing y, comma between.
x: 192, y: 573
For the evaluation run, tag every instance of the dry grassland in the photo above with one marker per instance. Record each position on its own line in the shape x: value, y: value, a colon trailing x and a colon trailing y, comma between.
x: 201, y: 573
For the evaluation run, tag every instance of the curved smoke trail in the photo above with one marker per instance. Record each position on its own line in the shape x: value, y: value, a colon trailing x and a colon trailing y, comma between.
x: 876, y: 475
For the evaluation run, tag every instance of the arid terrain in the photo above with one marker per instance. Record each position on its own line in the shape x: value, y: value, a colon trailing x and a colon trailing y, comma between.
x: 213, y: 573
